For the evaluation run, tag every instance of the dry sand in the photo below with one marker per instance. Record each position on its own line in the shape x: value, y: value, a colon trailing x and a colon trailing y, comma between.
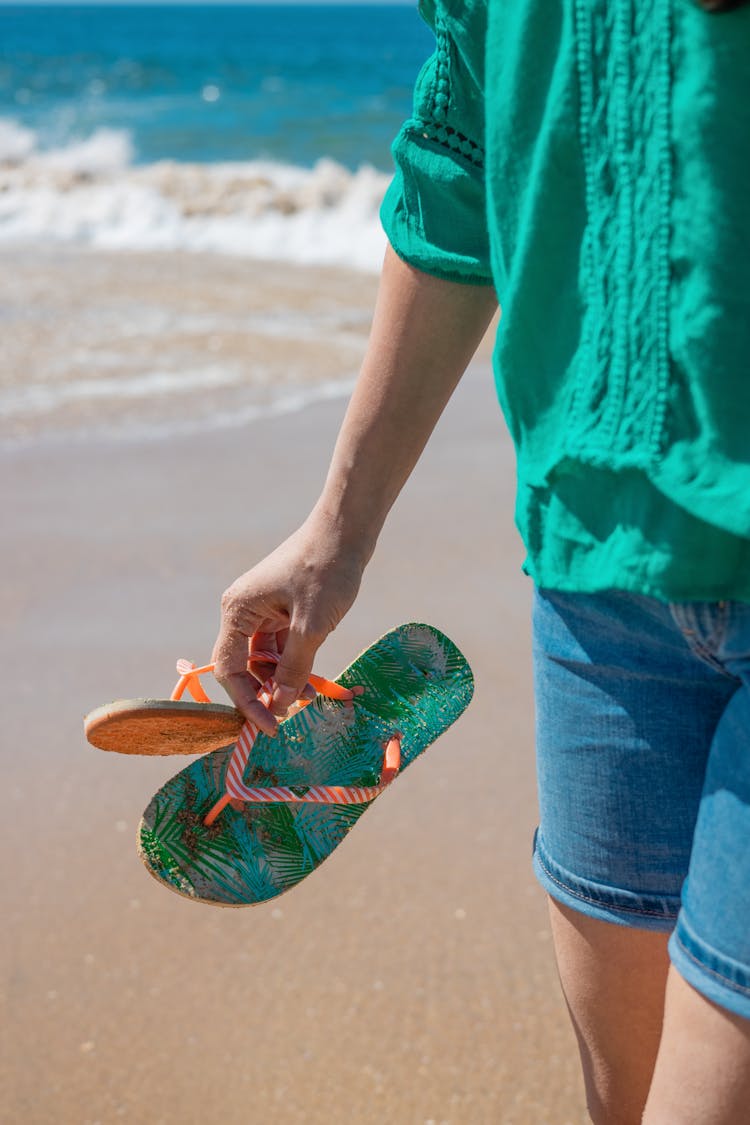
x: 411, y: 979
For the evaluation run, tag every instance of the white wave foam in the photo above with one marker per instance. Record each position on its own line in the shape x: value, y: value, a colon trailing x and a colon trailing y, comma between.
x: 16, y: 142
x: 43, y: 398
x: 140, y: 430
x: 89, y: 192
x: 106, y: 151
x: 289, y: 403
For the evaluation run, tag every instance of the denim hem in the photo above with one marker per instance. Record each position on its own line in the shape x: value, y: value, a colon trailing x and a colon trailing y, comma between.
x: 720, y: 978
x: 598, y: 900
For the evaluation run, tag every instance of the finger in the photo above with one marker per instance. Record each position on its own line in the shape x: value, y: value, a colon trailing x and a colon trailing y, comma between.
x: 241, y: 688
x: 262, y: 670
x: 243, y: 696
x: 230, y: 657
x: 293, y: 670
x: 262, y: 648
x: 263, y: 642
x: 281, y: 638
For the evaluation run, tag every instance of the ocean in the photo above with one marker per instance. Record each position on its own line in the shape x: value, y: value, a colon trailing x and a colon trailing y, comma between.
x: 189, y: 197
x: 260, y: 131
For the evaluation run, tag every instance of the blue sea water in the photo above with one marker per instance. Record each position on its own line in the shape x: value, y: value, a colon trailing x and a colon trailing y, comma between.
x: 257, y: 132
x: 208, y: 83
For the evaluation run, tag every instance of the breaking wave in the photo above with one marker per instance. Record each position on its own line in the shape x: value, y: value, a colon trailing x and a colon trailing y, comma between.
x: 90, y: 192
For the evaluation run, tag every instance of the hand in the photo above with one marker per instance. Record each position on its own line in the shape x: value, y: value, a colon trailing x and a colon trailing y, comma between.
x: 294, y: 598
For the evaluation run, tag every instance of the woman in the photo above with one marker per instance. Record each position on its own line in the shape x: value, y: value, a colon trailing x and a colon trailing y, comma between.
x: 586, y: 161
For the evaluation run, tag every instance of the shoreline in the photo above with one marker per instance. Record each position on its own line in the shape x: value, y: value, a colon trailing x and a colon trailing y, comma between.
x: 127, y: 346
x: 121, y: 341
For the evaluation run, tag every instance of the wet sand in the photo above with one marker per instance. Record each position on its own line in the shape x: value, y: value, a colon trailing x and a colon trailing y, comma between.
x: 124, y: 343
x: 411, y: 979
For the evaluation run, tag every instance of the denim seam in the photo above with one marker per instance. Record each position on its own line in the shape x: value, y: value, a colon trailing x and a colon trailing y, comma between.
x: 703, y: 649
x: 600, y: 902
x: 708, y: 657
x: 707, y: 969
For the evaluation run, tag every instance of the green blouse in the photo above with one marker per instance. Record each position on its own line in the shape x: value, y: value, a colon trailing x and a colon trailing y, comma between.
x: 591, y: 160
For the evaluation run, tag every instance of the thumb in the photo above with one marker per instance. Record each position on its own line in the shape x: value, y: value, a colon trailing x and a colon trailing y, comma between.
x: 293, y: 669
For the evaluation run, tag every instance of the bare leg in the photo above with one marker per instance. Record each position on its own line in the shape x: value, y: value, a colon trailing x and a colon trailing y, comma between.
x: 614, y: 980
x: 702, y: 1074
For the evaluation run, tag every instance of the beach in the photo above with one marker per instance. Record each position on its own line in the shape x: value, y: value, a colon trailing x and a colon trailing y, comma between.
x: 189, y: 242
x: 410, y: 979
x: 128, y: 345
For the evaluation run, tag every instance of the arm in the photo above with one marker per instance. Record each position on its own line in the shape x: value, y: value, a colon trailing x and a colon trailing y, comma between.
x: 425, y: 331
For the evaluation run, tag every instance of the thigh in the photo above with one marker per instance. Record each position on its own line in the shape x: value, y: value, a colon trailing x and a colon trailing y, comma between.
x: 626, y: 714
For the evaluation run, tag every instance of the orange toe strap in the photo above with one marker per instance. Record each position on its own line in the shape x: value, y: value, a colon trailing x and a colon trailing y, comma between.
x: 391, y: 759
x: 331, y: 690
x: 189, y: 673
x: 189, y: 680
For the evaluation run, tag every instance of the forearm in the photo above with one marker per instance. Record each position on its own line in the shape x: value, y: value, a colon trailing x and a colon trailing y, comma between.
x: 424, y: 333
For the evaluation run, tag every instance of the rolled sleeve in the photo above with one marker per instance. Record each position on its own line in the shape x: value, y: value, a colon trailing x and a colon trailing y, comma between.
x: 434, y: 212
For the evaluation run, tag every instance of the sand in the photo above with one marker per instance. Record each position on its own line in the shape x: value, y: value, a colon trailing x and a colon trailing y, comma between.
x: 411, y: 979
x: 115, y: 343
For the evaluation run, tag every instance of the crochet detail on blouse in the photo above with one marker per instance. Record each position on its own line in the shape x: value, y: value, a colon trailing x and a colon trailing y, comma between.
x: 435, y: 126
x: 624, y: 74
x: 457, y: 142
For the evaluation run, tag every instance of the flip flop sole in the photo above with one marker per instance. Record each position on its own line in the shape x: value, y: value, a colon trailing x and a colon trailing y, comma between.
x: 162, y: 726
x: 415, y: 682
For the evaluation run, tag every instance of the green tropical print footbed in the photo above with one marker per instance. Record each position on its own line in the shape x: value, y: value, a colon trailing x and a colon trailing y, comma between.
x: 416, y: 683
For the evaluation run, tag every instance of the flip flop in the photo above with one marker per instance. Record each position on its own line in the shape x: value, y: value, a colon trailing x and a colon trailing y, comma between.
x: 165, y: 726
x: 245, y: 823
x: 174, y: 725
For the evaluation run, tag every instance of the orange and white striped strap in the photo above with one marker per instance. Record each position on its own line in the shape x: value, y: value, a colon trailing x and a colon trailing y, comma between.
x: 237, y: 791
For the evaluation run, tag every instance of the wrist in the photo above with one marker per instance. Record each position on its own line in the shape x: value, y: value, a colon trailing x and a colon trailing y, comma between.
x: 349, y: 531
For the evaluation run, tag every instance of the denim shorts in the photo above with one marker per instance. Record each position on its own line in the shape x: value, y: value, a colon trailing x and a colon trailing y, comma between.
x: 643, y: 762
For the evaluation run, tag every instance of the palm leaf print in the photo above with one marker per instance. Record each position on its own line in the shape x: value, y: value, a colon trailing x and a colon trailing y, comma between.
x: 415, y: 681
